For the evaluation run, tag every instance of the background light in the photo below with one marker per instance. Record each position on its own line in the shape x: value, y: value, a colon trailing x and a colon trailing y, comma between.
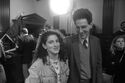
x: 60, y: 6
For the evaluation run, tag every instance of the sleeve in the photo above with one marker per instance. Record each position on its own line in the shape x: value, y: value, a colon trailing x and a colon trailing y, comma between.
x: 34, y: 74
x: 2, y: 74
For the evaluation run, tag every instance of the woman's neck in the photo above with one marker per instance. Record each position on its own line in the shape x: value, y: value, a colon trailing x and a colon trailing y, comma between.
x: 120, y: 49
x: 54, y: 57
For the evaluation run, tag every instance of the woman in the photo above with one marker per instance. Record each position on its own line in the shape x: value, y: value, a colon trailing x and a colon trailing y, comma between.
x: 51, y: 65
x: 118, y: 58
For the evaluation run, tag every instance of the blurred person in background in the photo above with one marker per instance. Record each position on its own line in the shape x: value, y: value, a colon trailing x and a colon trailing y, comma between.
x: 2, y: 71
x: 117, y: 68
x: 26, y: 45
x: 121, y: 31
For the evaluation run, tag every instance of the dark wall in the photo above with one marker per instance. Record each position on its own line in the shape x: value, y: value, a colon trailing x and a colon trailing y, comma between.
x: 4, y: 15
x: 108, y: 16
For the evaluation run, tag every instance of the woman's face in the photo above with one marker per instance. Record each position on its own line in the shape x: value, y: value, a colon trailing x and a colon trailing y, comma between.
x: 120, y: 43
x: 52, y: 45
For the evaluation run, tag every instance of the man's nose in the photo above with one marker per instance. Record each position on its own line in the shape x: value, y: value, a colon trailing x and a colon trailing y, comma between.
x: 81, y: 30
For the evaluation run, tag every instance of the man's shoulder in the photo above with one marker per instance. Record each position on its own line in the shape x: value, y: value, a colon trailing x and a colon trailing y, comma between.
x: 71, y: 38
x: 36, y: 66
x: 117, y: 33
x: 94, y: 37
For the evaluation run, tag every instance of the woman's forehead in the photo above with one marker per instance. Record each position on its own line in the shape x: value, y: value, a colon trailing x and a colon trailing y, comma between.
x: 121, y: 38
x: 53, y: 36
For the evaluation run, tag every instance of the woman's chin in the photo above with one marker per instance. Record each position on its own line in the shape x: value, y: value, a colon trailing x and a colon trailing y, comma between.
x: 56, y: 52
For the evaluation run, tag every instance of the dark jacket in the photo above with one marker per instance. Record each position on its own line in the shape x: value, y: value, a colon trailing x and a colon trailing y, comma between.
x: 26, y: 46
x: 118, y: 66
x: 74, y: 59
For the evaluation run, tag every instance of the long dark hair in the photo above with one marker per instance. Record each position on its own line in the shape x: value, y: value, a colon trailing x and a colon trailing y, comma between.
x: 42, y: 53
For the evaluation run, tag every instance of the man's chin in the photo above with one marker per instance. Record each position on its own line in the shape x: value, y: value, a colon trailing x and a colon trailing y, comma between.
x: 83, y: 36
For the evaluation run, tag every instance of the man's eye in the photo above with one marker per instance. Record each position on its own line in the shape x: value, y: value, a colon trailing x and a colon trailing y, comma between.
x: 78, y: 27
x: 81, y: 27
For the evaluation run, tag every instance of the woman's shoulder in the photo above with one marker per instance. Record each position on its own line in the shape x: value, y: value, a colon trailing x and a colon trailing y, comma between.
x: 37, y: 65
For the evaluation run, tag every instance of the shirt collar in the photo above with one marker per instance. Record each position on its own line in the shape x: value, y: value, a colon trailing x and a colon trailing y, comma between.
x: 81, y: 40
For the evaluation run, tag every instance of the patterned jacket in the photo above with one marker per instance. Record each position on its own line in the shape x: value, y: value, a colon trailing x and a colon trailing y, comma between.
x: 45, y: 73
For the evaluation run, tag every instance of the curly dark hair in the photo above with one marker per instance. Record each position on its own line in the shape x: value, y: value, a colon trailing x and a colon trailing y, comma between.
x: 42, y: 53
x: 82, y: 14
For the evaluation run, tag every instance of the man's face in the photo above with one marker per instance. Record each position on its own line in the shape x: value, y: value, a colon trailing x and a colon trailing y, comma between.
x: 123, y: 26
x: 83, y: 28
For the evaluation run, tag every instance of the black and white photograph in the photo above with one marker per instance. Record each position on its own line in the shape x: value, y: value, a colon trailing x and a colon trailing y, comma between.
x: 62, y: 41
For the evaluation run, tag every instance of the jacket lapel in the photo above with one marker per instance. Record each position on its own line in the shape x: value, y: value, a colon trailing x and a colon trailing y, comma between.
x: 92, y: 52
x: 76, y: 54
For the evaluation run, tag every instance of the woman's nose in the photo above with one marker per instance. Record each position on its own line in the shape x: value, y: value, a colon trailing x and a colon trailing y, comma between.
x: 55, y: 44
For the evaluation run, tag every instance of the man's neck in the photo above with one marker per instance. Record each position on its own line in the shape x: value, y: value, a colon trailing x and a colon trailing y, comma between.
x: 82, y: 39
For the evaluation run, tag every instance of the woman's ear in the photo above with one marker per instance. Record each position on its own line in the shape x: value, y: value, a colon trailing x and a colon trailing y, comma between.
x: 44, y: 46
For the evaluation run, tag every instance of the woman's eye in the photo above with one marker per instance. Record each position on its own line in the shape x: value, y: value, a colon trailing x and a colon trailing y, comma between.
x: 50, y: 42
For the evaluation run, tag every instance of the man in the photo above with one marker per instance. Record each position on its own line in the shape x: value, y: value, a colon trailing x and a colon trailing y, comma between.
x: 121, y: 31
x: 85, y: 61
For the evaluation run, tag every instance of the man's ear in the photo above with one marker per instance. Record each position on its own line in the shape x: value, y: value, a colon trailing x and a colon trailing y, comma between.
x: 44, y: 46
x: 91, y: 25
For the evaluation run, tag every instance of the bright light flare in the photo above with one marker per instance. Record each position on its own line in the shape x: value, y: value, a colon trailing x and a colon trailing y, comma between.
x: 60, y: 6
